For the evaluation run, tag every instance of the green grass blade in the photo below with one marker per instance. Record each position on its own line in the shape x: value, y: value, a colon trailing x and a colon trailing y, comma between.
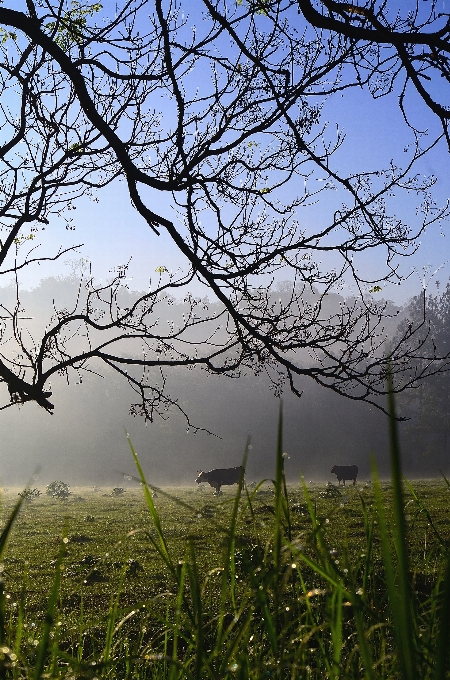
x: 177, y: 623
x: 21, y: 614
x: 399, y: 608
x: 197, y: 607
x: 425, y: 511
x: 228, y: 580
x: 445, y: 479
x: 162, y: 544
x: 50, y: 615
x: 8, y: 526
x: 336, y: 622
x: 369, y: 528
x: 405, y: 601
x: 442, y: 650
x: 233, y: 528
x: 278, y: 506
x: 263, y: 602
x: 364, y: 647
x: 332, y: 578
x: 281, y: 524
x: 112, y: 618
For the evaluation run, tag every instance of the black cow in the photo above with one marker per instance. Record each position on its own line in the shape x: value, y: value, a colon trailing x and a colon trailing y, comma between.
x: 345, y: 472
x: 221, y: 477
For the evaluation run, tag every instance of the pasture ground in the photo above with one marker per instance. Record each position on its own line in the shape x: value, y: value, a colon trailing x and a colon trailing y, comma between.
x: 108, y: 551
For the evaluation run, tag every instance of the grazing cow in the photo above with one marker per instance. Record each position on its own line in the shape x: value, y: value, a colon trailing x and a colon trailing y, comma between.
x: 221, y: 477
x: 345, y: 472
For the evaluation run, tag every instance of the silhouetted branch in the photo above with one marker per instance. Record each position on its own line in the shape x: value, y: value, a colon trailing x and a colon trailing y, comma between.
x: 244, y: 152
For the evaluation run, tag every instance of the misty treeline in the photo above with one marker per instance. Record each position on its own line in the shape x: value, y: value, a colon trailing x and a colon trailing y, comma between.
x: 84, y: 442
x: 213, y: 114
x: 428, y: 407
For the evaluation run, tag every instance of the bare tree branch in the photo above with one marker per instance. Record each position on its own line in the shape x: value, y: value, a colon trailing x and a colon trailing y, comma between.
x: 225, y: 119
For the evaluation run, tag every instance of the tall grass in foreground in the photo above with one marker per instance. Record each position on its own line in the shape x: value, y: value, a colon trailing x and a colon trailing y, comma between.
x: 275, y: 609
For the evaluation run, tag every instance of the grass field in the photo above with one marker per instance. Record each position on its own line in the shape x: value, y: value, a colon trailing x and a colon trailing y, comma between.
x: 279, y: 582
x: 266, y: 582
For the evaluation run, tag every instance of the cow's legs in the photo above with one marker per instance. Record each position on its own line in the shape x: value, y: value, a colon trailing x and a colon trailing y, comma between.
x: 216, y: 486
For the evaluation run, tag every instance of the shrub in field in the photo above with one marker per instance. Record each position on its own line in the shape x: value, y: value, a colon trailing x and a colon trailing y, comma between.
x: 29, y: 495
x: 59, y: 490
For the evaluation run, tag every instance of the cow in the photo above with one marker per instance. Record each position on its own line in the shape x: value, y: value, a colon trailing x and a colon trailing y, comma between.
x: 345, y: 472
x: 221, y: 477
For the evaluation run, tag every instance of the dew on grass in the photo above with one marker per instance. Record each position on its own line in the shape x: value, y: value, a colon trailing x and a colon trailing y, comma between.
x: 315, y: 591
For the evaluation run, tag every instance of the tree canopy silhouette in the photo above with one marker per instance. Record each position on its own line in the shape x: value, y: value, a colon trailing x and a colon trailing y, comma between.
x: 222, y: 112
x: 428, y: 408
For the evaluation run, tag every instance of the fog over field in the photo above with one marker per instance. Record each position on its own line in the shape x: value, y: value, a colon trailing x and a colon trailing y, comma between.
x: 84, y: 441
x: 274, y: 189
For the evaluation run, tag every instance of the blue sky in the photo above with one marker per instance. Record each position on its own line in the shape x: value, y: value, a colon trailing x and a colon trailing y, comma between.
x: 112, y: 231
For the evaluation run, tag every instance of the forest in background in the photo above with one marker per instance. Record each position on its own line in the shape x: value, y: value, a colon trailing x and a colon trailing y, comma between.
x: 84, y: 442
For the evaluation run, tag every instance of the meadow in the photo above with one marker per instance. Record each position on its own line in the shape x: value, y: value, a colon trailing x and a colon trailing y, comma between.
x: 274, y: 580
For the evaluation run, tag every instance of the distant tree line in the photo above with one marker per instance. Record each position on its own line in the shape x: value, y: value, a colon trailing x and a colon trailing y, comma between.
x: 321, y: 429
x: 428, y: 405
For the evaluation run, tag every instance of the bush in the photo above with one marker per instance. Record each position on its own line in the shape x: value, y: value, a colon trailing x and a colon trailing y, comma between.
x: 29, y: 495
x: 59, y: 490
